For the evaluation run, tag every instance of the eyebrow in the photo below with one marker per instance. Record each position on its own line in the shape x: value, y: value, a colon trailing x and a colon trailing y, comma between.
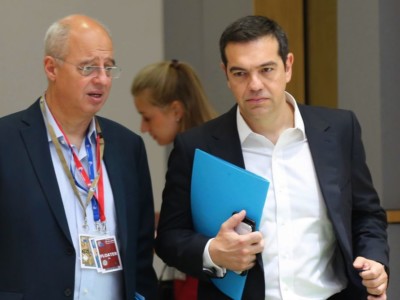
x: 91, y: 61
x: 267, y: 64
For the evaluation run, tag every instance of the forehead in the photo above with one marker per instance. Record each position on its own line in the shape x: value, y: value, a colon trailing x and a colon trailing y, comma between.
x: 253, y: 53
x: 145, y: 95
x: 144, y: 99
x: 90, y: 43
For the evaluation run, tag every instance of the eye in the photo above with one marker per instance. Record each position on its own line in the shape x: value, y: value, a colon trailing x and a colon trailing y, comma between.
x: 267, y: 70
x: 110, y: 70
x: 87, y: 70
x: 238, y: 73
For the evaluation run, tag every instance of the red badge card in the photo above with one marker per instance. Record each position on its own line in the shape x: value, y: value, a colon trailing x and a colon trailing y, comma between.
x: 108, y: 253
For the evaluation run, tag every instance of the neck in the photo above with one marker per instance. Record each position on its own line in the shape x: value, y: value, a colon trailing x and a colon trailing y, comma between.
x: 273, y: 126
x: 74, y: 131
x: 74, y: 127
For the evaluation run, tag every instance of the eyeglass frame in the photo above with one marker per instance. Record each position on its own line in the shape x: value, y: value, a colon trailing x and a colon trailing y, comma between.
x: 94, y: 69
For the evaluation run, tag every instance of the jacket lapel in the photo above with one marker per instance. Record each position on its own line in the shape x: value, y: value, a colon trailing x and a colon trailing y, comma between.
x: 34, y: 135
x: 324, y: 150
x: 225, y: 141
x: 226, y: 144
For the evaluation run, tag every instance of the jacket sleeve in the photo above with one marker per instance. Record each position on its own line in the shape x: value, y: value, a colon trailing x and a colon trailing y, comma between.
x: 177, y: 243
x: 369, y: 222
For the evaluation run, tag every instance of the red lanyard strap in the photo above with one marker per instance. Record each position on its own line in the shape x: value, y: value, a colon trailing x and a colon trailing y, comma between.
x: 91, y: 185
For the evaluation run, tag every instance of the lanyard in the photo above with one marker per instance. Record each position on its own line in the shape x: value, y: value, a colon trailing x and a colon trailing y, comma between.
x: 98, y: 198
x: 90, y: 183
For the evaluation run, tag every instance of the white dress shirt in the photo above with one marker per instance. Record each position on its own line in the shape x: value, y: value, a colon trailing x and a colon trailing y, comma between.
x: 89, y: 284
x: 299, y: 240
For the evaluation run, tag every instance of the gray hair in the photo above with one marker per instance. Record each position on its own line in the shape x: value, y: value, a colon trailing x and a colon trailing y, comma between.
x: 56, y: 38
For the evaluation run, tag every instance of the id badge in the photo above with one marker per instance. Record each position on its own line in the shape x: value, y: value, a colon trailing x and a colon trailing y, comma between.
x: 106, y: 252
x: 87, y: 257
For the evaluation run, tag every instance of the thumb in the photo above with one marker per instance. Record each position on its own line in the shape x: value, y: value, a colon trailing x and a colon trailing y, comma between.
x: 361, y: 263
x: 235, y: 220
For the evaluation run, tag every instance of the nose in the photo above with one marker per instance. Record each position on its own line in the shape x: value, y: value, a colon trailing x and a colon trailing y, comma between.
x: 255, y: 83
x: 144, y: 127
x: 100, y: 75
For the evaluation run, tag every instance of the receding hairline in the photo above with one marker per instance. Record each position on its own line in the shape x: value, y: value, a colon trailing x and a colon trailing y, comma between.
x: 75, y: 20
x: 58, y: 34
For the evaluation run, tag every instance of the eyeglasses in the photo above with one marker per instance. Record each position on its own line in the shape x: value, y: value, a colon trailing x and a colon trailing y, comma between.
x: 113, y: 72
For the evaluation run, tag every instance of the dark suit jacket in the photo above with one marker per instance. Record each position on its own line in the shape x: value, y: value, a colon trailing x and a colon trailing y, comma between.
x: 334, y: 137
x: 37, y: 257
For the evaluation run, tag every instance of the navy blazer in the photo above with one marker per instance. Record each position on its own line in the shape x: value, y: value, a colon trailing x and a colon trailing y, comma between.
x: 334, y: 137
x: 37, y: 256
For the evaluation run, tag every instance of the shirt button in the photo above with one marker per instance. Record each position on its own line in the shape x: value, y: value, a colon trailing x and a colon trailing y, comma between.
x: 68, y: 292
x: 85, y: 291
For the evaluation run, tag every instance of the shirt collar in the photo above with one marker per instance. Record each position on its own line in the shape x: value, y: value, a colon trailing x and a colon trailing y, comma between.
x: 49, y: 116
x: 244, y: 129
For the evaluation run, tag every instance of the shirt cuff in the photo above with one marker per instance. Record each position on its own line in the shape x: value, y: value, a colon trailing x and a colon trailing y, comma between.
x: 209, y: 266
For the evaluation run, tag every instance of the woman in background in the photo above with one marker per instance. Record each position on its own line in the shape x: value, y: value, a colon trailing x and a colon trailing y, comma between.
x: 170, y: 98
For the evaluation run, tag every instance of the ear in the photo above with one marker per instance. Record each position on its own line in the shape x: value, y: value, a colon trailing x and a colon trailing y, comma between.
x: 177, y: 109
x: 223, y: 67
x: 288, y: 67
x: 50, y: 67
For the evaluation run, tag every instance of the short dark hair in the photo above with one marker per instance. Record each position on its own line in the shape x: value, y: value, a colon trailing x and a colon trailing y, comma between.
x: 250, y: 28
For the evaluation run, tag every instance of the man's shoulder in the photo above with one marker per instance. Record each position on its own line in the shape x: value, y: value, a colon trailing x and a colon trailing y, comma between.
x: 224, y: 122
x: 25, y: 117
x: 108, y: 125
x: 322, y: 109
x: 335, y: 115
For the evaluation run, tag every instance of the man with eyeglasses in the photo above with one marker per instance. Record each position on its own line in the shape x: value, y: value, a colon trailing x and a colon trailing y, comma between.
x: 76, y: 204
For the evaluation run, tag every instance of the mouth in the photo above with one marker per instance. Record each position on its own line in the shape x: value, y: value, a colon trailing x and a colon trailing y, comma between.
x: 257, y: 100
x: 96, y: 95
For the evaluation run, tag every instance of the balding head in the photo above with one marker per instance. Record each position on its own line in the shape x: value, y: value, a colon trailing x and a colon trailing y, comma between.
x: 58, y: 34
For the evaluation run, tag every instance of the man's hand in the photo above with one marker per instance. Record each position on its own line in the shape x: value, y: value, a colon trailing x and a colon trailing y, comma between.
x: 233, y: 251
x: 374, y: 277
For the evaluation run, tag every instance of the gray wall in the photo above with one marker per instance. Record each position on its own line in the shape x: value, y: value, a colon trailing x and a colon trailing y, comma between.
x: 389, y: 25
x: 193, y: 37
x: 369, y: 44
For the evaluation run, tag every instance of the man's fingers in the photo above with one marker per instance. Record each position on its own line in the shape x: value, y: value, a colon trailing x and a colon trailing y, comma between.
x: 381, y: 297
x: 234, y: 220
x: 361, y: 263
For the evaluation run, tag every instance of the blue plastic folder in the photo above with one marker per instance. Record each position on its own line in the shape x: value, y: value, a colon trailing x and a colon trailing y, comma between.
x: 218, y: 189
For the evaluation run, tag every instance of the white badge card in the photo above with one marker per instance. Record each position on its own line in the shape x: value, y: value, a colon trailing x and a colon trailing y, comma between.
x: 108, y: 253
x: 95, y: 252
x: 86, y: 253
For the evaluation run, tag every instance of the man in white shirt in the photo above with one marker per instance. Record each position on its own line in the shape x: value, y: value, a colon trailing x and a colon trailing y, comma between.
x: 322, y: 233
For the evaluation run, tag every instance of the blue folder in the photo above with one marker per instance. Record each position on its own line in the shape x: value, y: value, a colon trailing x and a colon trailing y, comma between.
x: 218, y: 189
